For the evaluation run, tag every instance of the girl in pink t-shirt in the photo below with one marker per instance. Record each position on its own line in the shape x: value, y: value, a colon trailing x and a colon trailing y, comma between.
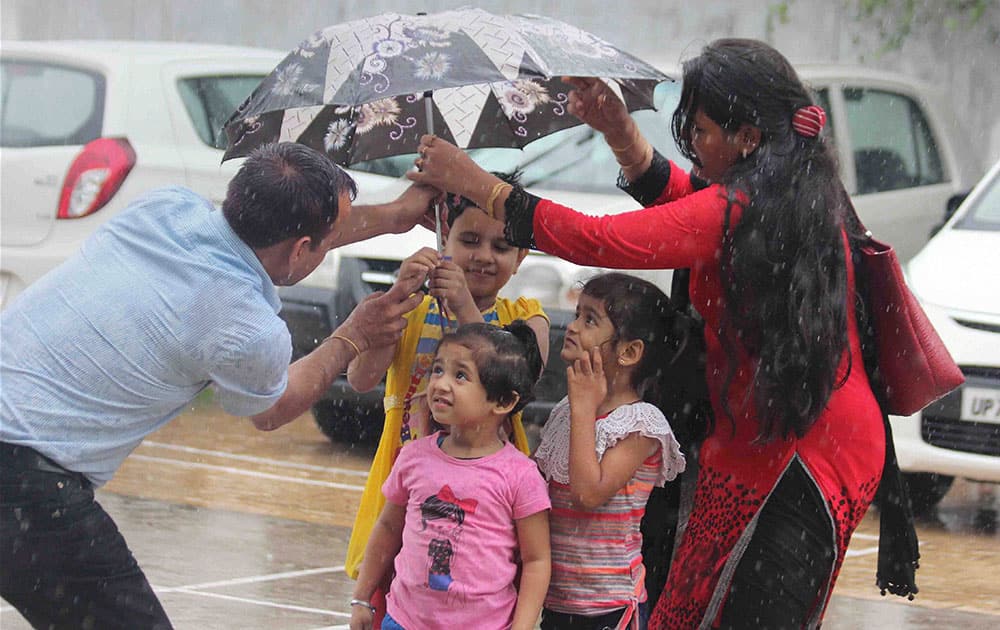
x: 603, y: 449
x: 465, y: 510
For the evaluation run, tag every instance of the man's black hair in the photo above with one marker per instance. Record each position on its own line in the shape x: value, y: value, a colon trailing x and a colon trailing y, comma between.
x: 285, y: 190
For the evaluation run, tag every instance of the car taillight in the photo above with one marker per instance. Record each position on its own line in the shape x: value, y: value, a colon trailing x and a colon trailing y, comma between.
x: 95, y: 176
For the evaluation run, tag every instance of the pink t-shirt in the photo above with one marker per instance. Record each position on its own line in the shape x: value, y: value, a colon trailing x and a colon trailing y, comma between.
x: 459, y: 557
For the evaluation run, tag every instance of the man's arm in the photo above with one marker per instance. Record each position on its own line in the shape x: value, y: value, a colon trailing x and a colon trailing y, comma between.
x: 395, y: 217
x: 375, y: 323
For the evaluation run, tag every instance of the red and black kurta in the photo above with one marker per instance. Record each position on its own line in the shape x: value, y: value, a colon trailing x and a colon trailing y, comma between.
x: 842, y: 452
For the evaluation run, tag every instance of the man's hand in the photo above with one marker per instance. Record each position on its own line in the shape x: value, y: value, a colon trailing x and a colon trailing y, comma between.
x: 413, y: 206
x: 377, y: 320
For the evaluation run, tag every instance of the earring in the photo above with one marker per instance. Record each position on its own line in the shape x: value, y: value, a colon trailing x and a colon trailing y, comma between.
x: 621, y: 361
x: 744, y: 154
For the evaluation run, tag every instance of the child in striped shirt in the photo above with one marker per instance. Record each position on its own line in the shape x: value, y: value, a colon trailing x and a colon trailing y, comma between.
x: 603, y: 449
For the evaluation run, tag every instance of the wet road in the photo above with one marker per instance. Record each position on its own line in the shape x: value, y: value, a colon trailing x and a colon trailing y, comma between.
x: 242, y: 529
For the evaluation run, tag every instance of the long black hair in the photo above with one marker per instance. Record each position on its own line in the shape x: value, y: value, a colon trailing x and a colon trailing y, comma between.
x: 639, y: 310
x: 783, y: 261
x: 507, y: 359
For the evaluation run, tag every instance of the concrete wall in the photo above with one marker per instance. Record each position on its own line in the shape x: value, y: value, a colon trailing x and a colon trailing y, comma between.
x: 963, y: 62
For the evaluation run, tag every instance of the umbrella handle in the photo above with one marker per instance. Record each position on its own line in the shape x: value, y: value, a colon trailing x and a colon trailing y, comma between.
x: 429, y: 111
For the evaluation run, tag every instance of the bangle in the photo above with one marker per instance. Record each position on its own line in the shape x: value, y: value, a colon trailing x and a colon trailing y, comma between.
x: 636, y: 136
x: 357, y: 350
x: 497, y: 188
x: 625, y: 148
x: 637, y: 162
x: 361, y: 602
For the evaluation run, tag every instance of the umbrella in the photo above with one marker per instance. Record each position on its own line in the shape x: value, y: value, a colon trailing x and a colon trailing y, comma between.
x: 369, y: 88
x: 356, y: 90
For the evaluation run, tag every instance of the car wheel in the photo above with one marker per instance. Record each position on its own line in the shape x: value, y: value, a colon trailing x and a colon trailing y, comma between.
x: 346, y: 423
x: 926, y: 490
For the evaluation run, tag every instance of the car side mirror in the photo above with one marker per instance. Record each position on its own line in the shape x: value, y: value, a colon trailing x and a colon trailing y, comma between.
x: 949, y: 210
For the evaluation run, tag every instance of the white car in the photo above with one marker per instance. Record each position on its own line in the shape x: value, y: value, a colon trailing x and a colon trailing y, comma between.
x: 956, y: 277
x: 88, y: 126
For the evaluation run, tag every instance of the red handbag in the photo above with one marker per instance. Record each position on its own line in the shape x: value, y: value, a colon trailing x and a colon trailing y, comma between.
x: 914, y: 367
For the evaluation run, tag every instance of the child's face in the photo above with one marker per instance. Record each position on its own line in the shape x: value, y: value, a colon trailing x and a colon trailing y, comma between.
x: 476, y: 244
x: 454, y: 392
x: 591, y: 328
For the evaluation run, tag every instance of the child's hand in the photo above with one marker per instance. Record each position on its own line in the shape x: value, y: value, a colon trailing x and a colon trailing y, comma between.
x: 416, y: 268
x: 586, y: 383
x: 361, y: 618
x: 448, y: 283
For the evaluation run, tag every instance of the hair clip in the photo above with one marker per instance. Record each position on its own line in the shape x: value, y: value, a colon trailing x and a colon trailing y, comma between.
x: 808, y: 121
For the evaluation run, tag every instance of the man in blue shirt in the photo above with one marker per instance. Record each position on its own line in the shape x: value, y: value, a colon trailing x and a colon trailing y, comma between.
x: 169, y: 297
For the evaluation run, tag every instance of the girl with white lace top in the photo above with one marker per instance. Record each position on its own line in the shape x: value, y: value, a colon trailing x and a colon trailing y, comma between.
x: 602, y: 451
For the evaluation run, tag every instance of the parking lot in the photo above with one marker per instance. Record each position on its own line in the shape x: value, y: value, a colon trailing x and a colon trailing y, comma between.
x: 242, y: 529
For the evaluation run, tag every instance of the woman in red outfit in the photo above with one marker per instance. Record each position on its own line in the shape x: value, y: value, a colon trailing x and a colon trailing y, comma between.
x: 797, y: 447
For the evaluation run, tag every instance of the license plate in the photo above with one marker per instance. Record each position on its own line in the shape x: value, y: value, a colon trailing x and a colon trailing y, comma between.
x: 980, y: 404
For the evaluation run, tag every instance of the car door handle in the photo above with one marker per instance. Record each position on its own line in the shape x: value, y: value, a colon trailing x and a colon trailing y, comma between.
x: 47, y: 180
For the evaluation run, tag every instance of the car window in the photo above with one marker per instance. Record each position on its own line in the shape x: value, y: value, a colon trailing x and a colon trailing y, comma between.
x: 583, y: 162
x: 574, y: 159
x: 985, y: 215
x: 211, y: 100
x: 822, y: 96
x: 43, y: 104
x: 893, y: 144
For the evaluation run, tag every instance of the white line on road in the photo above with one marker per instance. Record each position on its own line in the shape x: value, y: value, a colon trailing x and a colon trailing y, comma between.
x: 851, y: 553
x: 256, y: 460
x: 258, y: 602
x: 247, y: 473
x: 251, y: 579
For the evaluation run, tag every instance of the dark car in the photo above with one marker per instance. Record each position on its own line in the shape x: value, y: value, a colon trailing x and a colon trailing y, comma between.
x: 345, y: 415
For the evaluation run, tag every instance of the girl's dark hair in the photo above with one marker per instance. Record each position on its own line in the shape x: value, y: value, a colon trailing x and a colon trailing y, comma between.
x: 507, y: 359
x: 783, y: 261
x: 639, y: 310
x: 457, y: 204
x: 435, y: 507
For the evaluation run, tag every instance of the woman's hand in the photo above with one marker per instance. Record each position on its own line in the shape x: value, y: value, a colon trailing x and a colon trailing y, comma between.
x: 586, y: 384
x: 448, y: 168
x: 596, y: 104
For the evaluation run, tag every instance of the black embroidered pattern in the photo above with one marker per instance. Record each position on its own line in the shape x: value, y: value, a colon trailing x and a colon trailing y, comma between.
x: 724, y: 509
x: 647, y: 188
x: 848, y: 512
x: 519, y: 227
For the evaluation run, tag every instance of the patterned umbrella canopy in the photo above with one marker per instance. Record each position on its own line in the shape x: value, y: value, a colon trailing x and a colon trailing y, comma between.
x: 356, y: 90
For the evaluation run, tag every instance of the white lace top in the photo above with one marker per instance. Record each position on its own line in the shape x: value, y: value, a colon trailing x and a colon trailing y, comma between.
x: 640, y: 417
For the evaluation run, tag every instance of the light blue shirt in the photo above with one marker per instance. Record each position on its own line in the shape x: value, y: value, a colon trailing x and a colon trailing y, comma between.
x: 160, y: 302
